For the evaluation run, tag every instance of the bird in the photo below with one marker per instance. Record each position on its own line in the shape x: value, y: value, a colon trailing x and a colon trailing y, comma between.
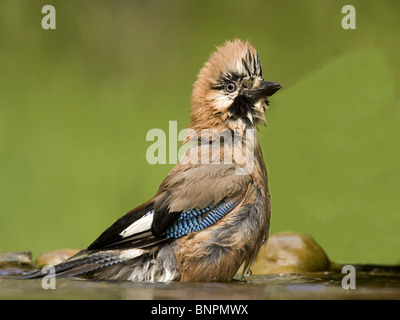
x: 211, y: 213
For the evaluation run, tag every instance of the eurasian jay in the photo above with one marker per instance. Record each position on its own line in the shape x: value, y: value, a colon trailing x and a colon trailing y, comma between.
x: 211, y: 213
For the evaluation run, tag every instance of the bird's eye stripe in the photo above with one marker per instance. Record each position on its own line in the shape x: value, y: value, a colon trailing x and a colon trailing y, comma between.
x: 217, y: 87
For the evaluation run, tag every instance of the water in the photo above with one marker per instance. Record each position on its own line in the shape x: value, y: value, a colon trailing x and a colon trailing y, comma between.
x: 318, y: 285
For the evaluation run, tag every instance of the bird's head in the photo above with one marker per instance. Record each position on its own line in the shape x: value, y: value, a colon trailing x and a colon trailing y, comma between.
x: 230, y: 92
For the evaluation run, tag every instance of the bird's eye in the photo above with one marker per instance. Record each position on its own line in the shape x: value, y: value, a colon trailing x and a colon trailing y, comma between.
x: 230, y: 87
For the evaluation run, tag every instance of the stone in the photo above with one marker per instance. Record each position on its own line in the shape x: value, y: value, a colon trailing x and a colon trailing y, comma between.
x: 20, y: 259
x: 55, y: 257
x: 15, y: 263
x: 291, y: 252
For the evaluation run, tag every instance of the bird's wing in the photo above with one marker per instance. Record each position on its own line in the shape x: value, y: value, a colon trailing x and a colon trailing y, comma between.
x: 117, y: 235
x: 189, y: 200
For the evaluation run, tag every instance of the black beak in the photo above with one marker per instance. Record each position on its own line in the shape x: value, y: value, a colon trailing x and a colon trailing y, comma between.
x: 265, y: 89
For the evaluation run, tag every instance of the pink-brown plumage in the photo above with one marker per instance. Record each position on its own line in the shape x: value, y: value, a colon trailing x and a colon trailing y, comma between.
x: 211, y: 213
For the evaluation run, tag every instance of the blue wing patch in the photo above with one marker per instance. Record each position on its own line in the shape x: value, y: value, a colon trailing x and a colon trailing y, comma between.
x: 198, y: 219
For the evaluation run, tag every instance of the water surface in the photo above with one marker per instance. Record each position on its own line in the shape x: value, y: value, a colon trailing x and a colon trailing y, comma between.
x: 289, y: 286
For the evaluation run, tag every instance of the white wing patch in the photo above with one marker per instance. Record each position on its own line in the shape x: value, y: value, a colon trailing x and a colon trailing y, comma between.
x: 143, y: 224
x: 131, y: 253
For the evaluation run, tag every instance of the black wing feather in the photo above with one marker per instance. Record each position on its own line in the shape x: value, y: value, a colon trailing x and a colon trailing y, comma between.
x: 111, y: 236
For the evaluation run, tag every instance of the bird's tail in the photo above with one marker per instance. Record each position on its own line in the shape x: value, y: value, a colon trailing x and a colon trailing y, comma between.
x: 86, y: 262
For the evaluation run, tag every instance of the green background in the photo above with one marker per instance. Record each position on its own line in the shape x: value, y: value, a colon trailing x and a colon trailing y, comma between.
x: 76, y: 104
